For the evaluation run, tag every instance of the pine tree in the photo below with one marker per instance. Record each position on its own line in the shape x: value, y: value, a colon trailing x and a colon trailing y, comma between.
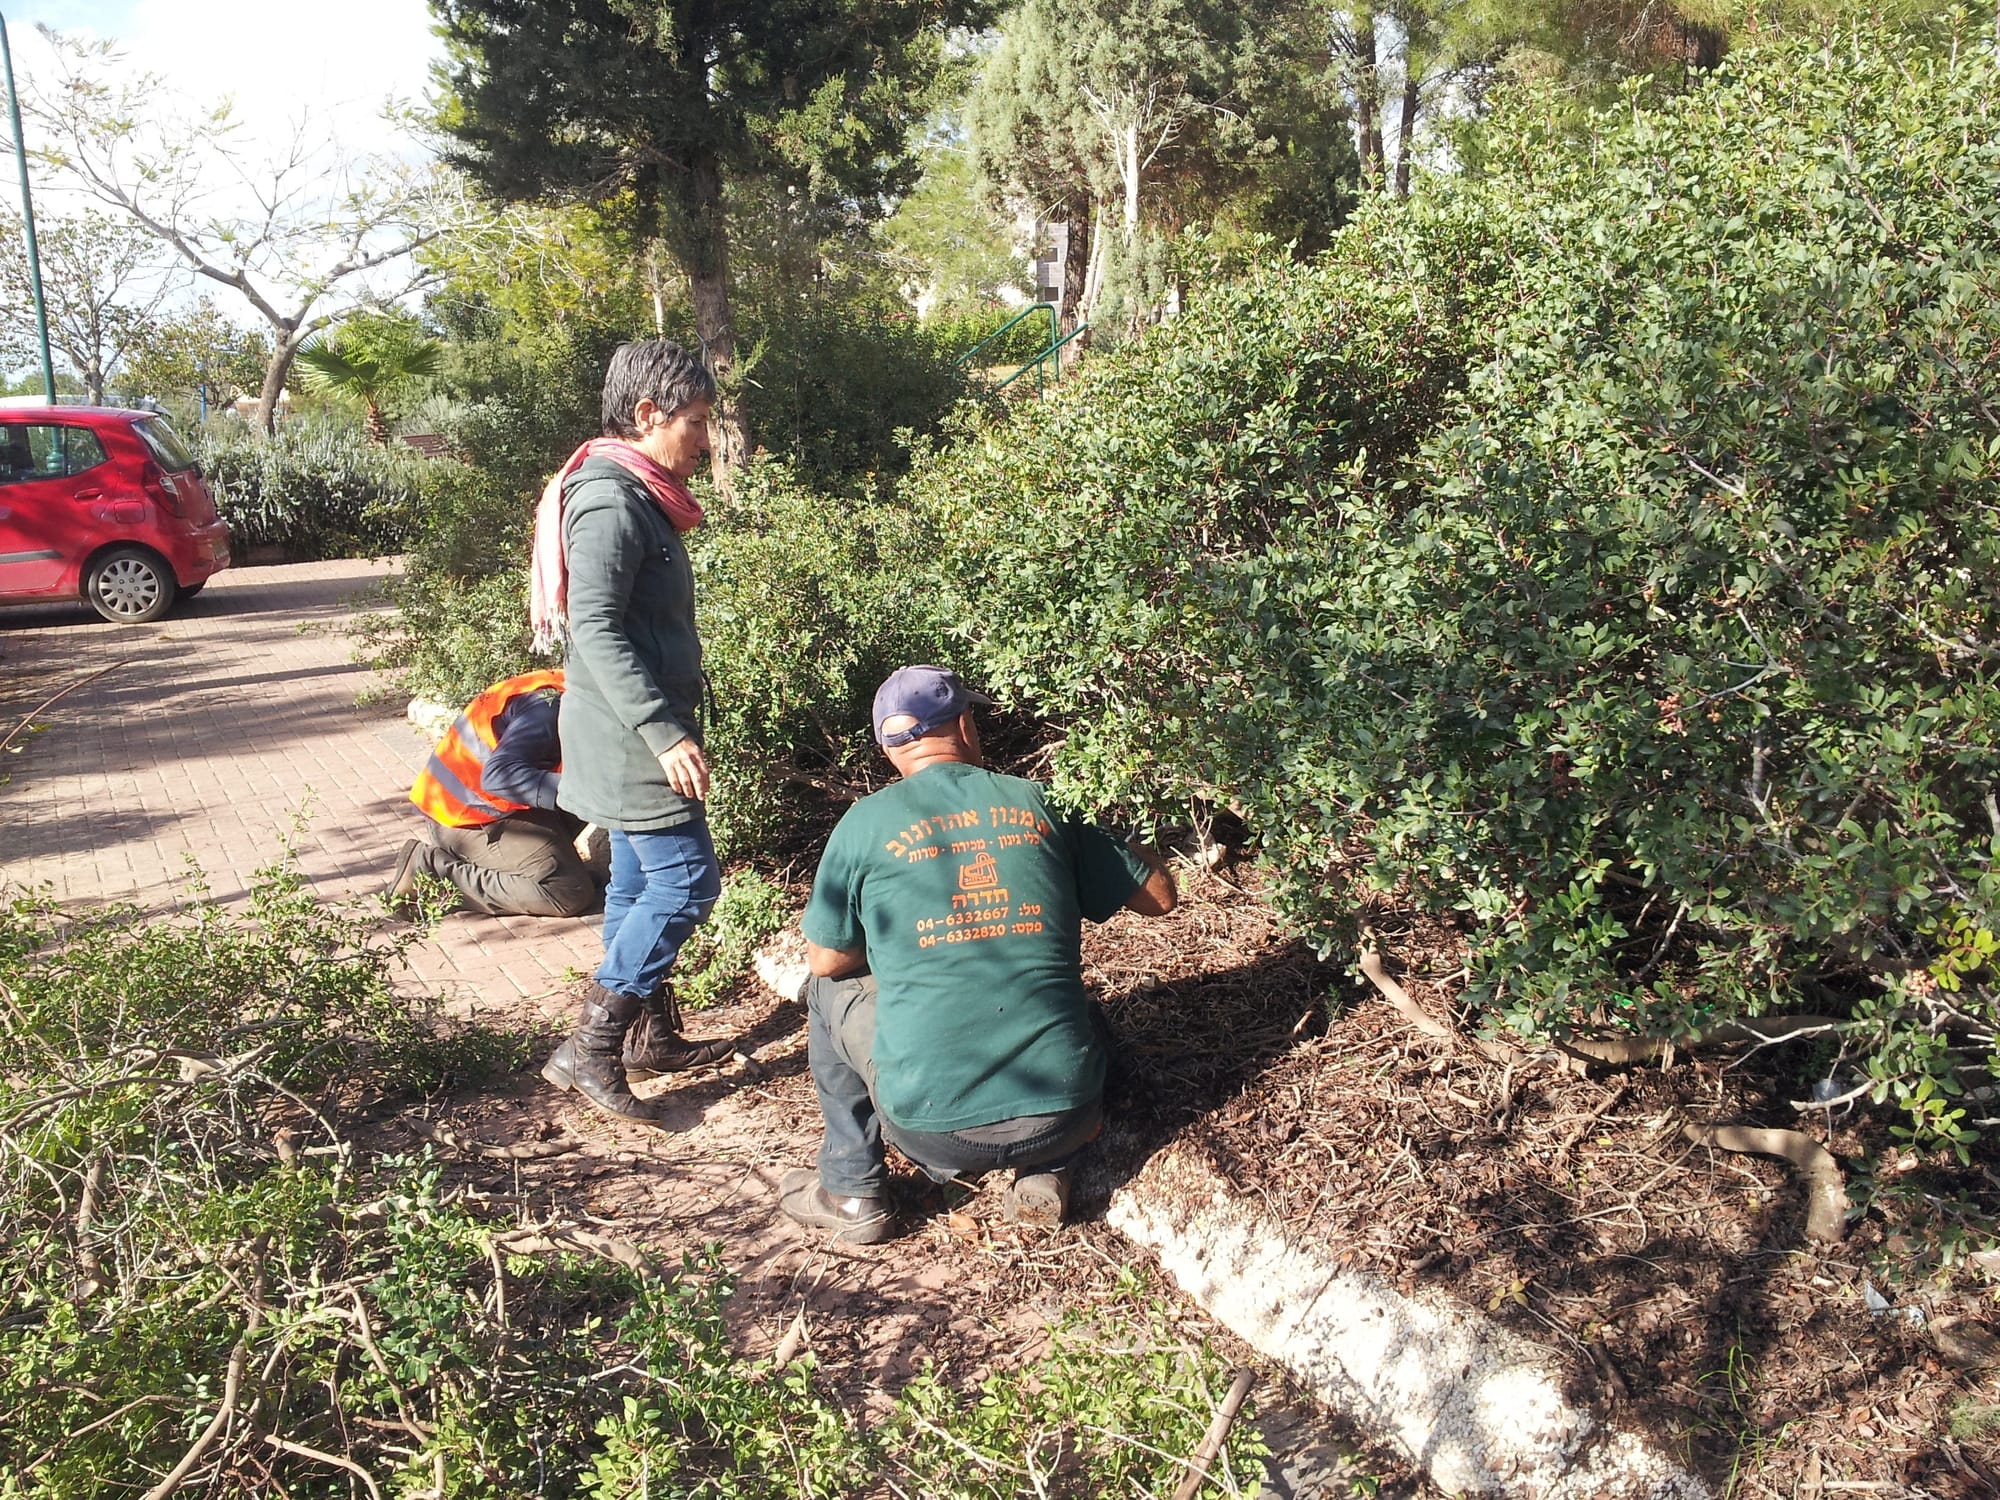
x: 656, y: 107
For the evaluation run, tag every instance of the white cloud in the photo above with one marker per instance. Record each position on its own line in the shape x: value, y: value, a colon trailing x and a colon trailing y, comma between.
x: 275, y: 59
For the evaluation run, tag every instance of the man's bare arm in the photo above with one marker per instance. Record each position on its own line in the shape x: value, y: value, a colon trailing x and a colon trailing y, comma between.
x: 1158, y: 895
x: 835, y: 963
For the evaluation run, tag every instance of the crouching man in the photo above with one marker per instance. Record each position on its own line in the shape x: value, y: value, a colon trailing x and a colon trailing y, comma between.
x: 489, y: 790
x: 947, y: 1013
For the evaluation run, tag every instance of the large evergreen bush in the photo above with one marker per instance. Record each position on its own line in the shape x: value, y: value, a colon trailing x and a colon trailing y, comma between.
x: 1604, y: 549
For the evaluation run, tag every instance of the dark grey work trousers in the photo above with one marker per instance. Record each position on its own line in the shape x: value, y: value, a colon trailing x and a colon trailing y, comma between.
x: 840, y: 1050
x: 525, y: 865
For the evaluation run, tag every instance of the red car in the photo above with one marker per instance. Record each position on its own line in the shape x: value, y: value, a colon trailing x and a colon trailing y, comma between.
x: 106, y: 506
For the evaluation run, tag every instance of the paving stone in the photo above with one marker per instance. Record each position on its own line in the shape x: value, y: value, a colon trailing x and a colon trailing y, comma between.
x: 225, y: 729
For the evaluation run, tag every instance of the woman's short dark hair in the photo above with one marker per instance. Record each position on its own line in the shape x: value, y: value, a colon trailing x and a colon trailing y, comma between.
x: 658, y: 370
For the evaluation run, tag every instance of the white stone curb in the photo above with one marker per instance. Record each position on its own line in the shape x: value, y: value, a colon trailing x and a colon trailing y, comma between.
x: 1480, y: 1409
x: 429, y: 718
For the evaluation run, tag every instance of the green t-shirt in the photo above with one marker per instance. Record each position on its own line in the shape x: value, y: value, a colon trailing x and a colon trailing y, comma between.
x: 969, y: 895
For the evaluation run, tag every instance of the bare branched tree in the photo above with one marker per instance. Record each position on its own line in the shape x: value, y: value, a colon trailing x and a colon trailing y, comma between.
x: 104, y: 287
x: 304, y: 234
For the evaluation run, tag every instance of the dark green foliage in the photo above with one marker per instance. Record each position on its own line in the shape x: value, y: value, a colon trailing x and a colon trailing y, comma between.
x: 806, y: 602
x: 524, y: 399
x: 959, y: 330
x: 314, y: 489
x: 449, y: 637
x: 594, y: 98
x: 1663, y: 651
x: 1097, y: 543
x: 835, y: 386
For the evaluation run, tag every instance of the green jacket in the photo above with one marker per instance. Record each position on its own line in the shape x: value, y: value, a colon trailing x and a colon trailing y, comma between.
x: 632, y: 684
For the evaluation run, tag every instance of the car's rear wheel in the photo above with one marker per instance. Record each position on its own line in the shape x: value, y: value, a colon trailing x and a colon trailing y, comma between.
x: 130, y: 586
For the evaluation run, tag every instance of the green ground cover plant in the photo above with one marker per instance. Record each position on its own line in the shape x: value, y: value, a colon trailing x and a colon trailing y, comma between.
x: 208, y: 1286
x: 718, y: 953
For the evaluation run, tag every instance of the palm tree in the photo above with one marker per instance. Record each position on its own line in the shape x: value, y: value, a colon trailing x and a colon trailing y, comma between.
x: 368, y: 360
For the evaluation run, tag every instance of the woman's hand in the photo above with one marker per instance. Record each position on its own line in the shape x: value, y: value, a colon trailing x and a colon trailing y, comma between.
x: 686, y: 769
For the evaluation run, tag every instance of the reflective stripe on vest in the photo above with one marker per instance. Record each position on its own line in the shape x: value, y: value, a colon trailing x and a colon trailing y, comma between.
x: 450, y: 789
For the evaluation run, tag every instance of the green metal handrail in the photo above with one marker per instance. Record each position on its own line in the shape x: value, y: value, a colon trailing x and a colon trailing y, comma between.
x: 1054, y: 351
x: 1041, y: 363
x: 1026, y: 312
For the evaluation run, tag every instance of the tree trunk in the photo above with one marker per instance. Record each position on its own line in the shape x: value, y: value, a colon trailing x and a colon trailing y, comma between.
x: 1093, y: 276
x: 1406, y: 125
x: 93, y: 367
x: 1705, y: 46
x: 1368, y: 101
x: 704, y: 252
x: 659, y: 293
x: 1131, y: 165
x: 377, y: 426
x: 284, y: 349
x: 1076, y: 271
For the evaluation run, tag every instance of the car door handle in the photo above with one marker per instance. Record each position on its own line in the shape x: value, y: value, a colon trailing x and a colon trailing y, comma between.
x: 90, y: 494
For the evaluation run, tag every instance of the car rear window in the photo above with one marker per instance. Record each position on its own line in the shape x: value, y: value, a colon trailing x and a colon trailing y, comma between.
x: 168, y: 451
x: 81, y: 450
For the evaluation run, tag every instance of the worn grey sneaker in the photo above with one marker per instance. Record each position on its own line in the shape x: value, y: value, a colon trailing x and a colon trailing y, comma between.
x: 401, y: 896
x: 1039, y: 1199
x: 855, y: 1221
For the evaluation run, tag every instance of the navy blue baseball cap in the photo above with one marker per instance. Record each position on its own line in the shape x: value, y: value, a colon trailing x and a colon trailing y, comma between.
x: 932, y: 696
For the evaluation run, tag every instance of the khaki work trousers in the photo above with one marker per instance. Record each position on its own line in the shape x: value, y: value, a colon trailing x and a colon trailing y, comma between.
x: 524, y: 865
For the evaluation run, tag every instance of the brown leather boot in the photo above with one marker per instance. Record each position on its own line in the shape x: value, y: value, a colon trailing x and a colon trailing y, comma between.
x: 655, y: 1045
x: 591, y: 1062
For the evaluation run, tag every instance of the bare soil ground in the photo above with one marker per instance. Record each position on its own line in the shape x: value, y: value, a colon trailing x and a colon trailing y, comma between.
x: 1677, y: 1282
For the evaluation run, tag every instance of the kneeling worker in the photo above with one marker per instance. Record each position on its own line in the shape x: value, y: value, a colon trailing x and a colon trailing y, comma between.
x: 489, y: 790
x: 947, y: 1012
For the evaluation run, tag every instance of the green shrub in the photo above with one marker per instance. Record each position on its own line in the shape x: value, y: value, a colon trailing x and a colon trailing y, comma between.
x: 1602, y: 550
x: 315, y: 489
x: 522, y: 399
x: 1708, y: 597
x: 835, y: 388
x: 446, y: 638
x: 718, y: 952
x: 806, y: 602
x: 960, y: 330
x: 467, y: 524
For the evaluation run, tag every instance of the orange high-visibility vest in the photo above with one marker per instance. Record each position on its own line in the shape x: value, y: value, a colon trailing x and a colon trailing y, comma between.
x: 450, y: 788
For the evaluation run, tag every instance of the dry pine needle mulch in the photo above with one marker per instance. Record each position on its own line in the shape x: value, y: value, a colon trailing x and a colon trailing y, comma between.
x: 1677, y: 1281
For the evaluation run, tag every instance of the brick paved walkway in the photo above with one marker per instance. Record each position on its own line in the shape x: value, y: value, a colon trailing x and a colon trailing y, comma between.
x: 228, y: 723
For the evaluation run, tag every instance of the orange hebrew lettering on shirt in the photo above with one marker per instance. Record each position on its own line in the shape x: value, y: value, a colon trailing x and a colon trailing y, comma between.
x: 978, y: 873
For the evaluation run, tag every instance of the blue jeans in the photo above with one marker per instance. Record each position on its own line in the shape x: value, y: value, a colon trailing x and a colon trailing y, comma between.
x: 840, y: 1049
x: 663, y: 886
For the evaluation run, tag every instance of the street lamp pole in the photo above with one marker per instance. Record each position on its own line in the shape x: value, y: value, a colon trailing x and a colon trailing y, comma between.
x: 28, y: 213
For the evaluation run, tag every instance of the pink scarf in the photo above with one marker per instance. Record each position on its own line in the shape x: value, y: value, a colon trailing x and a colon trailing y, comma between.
x: 548, y: 571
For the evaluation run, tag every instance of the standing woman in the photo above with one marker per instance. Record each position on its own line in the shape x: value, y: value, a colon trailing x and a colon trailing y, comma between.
x: 611, y: 574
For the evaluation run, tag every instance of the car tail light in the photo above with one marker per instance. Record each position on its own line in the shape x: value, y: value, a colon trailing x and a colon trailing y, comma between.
x: 159, y: 489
